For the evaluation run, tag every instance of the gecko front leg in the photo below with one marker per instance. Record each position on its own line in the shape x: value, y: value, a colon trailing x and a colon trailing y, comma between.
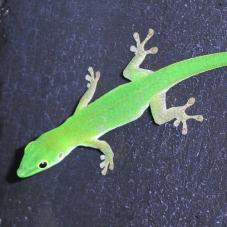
x: 92, y: 78
x: 106, y: 158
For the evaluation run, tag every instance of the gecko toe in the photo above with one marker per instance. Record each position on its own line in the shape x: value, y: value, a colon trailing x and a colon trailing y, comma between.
x: 198, y: 118
x: 176, y: 123
x: 102, y: 165
x: 106, y: 164
x: 111, y: 167
x: 136, y: 36
x: 184, y: 128
x: 153, y: 50
x: 191, y: 101
x: 133, y: 49
x: 88, y: 78
x: 104, y: 171
x: 102, y: 157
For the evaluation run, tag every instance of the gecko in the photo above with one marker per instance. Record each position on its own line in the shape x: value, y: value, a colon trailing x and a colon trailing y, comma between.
x: 120, y: 106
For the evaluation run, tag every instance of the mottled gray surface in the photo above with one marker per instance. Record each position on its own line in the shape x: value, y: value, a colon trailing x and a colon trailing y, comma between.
x: 161, y: 177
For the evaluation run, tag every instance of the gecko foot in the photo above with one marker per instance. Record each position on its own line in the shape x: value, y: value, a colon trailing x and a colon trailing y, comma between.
x: 107, y: 163
x: 139, y: 49
x: 181, y: 116
x: 92, y: 77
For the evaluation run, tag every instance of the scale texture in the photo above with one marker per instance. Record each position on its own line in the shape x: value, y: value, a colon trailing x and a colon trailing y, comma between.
x: 161, y: 178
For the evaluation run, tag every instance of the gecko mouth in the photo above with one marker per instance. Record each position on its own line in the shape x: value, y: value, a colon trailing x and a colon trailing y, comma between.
x: 22, y: 173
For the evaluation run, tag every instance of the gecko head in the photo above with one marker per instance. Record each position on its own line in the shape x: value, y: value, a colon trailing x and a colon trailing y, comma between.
x: 37, y: 158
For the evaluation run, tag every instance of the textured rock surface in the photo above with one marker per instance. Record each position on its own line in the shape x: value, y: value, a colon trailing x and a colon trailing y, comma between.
x: 161, y: 177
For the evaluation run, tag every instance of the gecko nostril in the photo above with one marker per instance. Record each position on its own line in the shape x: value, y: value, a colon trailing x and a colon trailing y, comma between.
x: 60, y: 156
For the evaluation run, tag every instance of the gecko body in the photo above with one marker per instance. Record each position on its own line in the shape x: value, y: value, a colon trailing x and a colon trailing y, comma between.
x: 118, y: 107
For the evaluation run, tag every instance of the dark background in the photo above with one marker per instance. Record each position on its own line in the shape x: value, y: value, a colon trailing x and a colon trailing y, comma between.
x: 161, y: 177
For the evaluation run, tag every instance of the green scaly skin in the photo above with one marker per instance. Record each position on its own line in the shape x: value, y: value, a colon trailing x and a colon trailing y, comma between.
x: 118, y: 107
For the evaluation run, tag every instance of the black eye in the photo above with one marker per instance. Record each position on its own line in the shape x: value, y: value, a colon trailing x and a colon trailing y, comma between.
x: 42, y: 164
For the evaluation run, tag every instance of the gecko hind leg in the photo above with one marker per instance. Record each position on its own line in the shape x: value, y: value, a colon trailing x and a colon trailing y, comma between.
x: 181, y: 116
x: 162, y: 115
x: 133, y: 71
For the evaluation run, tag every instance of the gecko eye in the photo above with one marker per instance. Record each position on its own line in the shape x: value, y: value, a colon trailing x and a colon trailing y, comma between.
x: 42, y: 164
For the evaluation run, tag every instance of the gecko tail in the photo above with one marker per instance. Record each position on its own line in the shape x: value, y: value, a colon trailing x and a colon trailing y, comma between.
x: 182, y: 70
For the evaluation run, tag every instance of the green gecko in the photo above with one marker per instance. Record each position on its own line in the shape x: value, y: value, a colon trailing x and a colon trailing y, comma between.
x: 118, y: 107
